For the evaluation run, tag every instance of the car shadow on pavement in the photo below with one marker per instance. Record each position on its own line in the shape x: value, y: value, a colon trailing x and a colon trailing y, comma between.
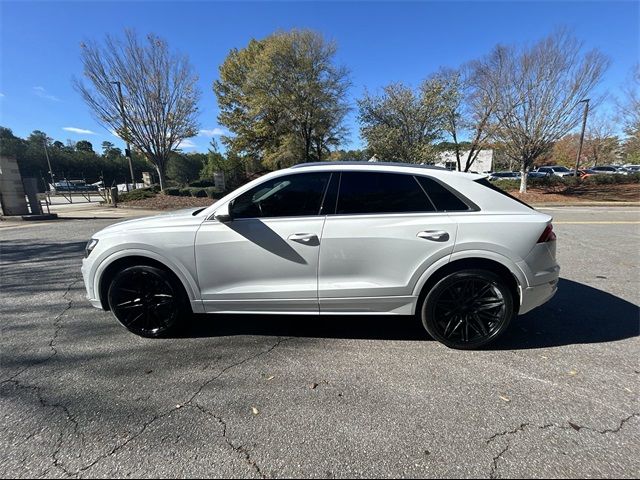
x: 577, y: 314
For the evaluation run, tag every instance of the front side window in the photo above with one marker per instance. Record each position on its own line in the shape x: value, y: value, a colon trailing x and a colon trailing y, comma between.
x: 377, y: 192
x: 288, y: 196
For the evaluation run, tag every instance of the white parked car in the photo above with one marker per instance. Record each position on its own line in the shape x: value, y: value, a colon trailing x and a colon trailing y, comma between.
x: 334, y: 239
x: 611, y: 169
x: 556, y: 170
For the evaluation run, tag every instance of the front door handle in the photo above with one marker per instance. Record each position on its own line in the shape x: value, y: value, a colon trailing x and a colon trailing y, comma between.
x: 434, y: 235
x: 305, y: 238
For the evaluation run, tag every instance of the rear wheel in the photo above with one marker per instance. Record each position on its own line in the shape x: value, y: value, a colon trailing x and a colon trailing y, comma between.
x: 468, y: 309
x: 148, y: 301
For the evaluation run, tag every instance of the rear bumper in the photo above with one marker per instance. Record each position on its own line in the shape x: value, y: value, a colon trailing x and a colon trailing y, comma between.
x: 533, y: 297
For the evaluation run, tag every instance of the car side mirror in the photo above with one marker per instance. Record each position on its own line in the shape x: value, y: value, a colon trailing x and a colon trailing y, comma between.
x: 223, y: 214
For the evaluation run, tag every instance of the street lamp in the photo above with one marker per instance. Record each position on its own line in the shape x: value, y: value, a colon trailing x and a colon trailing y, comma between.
x: 127, y: 150
x: 584, y: 124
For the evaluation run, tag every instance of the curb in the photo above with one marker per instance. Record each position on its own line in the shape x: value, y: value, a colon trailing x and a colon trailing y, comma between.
x: 29, y: 218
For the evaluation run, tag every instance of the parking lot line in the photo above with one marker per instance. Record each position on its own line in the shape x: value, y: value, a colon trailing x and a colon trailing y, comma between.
x: 587, y: 222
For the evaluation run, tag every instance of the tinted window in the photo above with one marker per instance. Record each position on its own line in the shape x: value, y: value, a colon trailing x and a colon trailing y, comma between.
x: 330, y: 198
x: 289, y: 196
x: 373, y: 192
x: 443, y: 199
x: 486, y: 183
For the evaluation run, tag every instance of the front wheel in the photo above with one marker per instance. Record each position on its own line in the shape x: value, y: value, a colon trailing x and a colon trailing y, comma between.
x: 468, y: 309
x: 148, y: 301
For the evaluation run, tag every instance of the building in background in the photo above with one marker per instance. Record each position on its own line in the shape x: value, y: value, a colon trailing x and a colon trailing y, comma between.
x: 482, y: 164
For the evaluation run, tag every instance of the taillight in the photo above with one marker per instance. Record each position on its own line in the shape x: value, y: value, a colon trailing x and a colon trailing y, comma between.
x: 547, y: 235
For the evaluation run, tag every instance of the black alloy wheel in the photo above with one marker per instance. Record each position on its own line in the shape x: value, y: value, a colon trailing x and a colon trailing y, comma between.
x: 468, y: 309
x: 148, y: 301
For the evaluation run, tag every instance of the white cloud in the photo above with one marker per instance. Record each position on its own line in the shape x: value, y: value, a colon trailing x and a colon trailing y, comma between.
x: 79, y: 130
x: 42, y: 93
x: 1, y: 94
x: 186, y: 143
x: 214, y: 132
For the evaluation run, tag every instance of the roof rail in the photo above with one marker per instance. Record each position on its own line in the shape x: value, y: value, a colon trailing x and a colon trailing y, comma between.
x: 373, y: 164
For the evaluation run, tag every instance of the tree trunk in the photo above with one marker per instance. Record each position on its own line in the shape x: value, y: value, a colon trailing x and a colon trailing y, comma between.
x: 523, y: 178
x: 161, y: 176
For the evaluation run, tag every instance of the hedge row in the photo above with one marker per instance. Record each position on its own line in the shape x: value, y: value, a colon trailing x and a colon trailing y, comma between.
x: 210, y: 192
x: 554, y: 180
x: 138, y: 194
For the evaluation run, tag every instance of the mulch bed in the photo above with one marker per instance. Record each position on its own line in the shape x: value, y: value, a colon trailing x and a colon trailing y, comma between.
x: 626, y: 192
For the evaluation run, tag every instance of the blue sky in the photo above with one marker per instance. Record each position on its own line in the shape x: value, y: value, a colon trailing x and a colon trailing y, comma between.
x: 380, y: 42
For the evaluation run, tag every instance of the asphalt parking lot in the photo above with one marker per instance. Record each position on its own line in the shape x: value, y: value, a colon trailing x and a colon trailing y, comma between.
x: 263, y: 396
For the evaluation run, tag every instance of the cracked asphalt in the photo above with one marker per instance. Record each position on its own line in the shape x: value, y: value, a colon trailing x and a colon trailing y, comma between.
x: 271, y: 396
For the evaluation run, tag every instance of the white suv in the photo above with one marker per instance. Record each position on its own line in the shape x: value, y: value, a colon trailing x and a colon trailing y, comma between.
x: 334, y: 239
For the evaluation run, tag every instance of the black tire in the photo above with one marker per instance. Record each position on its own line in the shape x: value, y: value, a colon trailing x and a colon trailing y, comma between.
x: 468, y: 309
x: 148, y: 301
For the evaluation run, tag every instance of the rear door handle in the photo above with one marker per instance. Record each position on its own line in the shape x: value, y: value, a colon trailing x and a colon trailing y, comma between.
x: 305, y: 238
x: 434, y: 235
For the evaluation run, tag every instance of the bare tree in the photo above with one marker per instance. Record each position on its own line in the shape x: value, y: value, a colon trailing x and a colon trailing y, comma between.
x: 469, y: 109
x: 536, y: 91
x: 601, y: 144
x: 160, y: 95
x: 629, y: 105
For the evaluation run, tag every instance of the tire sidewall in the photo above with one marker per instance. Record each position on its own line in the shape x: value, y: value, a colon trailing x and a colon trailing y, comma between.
x: 170, y: 329
x: 428, y: 307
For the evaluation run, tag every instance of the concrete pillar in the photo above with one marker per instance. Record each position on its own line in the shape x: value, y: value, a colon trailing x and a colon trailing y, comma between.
x: 31, y: 190
x: 12, y: 199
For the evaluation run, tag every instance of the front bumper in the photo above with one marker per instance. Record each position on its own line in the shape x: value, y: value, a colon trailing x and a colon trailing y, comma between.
x: 88, y: 284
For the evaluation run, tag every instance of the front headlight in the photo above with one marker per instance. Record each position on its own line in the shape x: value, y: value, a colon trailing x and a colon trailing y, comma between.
x: 91, y: 244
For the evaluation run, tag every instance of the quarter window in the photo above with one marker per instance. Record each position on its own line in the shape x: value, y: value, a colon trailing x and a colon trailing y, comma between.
x: 288, y: 196
x: 376, y: 192
x: 443, y: 199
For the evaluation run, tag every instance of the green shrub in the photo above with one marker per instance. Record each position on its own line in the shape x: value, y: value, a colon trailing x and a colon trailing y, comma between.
x: 198, y: 192
x: 608, y: 179
x: 175, y: 192
x: 507, y: 184
x: 211, y: 192
x: 202, y: 183
x: 185, y: 192
x: 138, y: 194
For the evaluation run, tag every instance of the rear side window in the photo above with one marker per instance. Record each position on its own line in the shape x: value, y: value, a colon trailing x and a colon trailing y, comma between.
x: 443, y: 198
x: 377, y: 192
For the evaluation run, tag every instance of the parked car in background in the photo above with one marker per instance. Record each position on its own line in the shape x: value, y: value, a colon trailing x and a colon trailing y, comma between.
x: 504, y: 176
x: 632, y: 168
x: 536, y: 174
x: 556, y: 170
x: 611, y: 169
x: 73, y: 186
x: 334, y: 238
x: 586, y: 172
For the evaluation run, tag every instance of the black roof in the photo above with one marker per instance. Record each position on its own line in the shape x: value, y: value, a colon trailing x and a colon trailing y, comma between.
x: 382, y: 164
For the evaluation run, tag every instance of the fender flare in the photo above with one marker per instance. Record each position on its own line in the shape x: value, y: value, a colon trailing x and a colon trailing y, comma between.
x: 510, y: 265
x: 188, y: 282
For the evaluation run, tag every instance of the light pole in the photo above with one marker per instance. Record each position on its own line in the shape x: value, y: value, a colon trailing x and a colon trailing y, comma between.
x: 584, y: 124
x: 127, y: 150
x: 53, y: 182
